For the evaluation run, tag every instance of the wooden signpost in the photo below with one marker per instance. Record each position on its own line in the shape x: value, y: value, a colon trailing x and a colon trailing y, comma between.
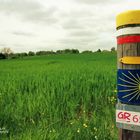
x: 128, y: 50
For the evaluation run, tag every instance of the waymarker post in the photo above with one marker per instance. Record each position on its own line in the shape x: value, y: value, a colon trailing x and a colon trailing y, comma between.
x: 128, y: 77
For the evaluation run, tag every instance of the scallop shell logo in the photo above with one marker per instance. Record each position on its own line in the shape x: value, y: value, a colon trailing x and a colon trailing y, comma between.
x: 130, y: 85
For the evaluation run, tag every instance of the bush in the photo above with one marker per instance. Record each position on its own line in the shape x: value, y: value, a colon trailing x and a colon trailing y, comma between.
x: 30, y: 53
x: 44, y: 52
x: 98, y: 50
x: 87, y: 51
x: 113, y: 49
x: 67, y: 51
x: 2, y: 56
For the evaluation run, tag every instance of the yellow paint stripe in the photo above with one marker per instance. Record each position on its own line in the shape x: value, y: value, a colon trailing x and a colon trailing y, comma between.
x: 130, y: 60
x: 128, y: 17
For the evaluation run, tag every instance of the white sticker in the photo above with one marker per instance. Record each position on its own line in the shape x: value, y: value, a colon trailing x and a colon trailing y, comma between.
x: 128, y: 117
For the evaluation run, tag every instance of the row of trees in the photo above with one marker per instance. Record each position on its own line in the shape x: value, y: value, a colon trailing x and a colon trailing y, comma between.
x: 7, y: 53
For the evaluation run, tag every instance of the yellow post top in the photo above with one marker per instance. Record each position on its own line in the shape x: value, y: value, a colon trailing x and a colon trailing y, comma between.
x: 128, y: 17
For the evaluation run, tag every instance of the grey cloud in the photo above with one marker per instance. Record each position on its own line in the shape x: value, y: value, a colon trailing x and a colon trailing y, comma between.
x: 82, y: 33
x: 72, y: 24
x: 87, y: 32
x: 29, y: 10
x: 81, y: 44
x: 46, y: 16
x: 94, y: 1
x: 3, y: 44
x: 21, y: 33
x: 75, y: 42
x: 18, y: 45
x: 85, y: 27
x: 78, y: 13
x: 75, y: 19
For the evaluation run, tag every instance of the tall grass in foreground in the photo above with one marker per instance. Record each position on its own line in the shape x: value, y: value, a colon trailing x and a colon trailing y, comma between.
x: 60, y: 97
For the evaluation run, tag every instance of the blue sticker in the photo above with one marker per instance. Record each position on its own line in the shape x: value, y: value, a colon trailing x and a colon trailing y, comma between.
x: 129, y: 86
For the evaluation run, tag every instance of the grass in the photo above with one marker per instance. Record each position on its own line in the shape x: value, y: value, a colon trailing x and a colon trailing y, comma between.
x: 58, y: 97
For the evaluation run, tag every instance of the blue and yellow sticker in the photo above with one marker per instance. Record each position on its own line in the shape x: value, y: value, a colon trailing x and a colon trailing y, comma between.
x: 129, y: 86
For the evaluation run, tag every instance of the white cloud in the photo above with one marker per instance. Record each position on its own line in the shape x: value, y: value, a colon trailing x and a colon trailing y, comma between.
x: 58, y: 24
x: 95, y: 1
x: 28, y: 10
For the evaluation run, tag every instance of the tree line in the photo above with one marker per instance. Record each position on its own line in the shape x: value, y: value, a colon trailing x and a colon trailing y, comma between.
x: 7, y: 53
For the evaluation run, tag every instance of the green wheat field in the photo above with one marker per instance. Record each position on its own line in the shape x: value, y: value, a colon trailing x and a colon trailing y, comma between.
x: 58, y: 97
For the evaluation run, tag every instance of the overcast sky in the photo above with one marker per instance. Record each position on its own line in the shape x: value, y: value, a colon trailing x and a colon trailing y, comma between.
x: 58, y: 24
